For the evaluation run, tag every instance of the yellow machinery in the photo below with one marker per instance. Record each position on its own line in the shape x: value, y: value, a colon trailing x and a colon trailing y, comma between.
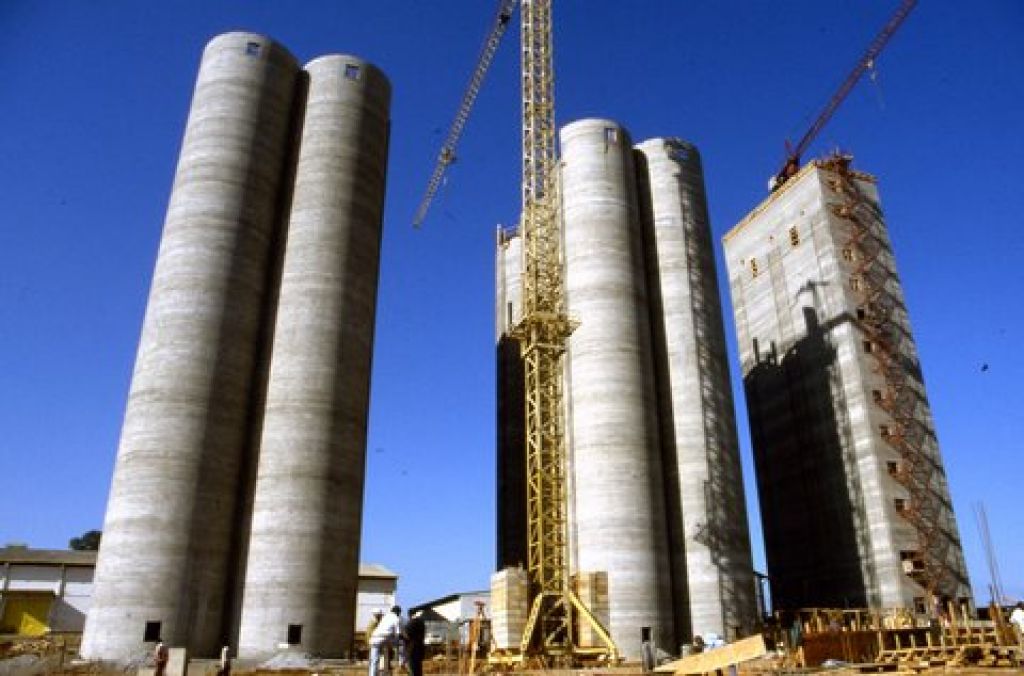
x: 555, y: 611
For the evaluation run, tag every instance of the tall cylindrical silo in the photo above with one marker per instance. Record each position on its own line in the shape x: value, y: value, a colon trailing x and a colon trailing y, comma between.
x: 165, y: 559
x: 511, y: 423
x: 617, y: 510
x: 712, y: 570
x: 303, y: 560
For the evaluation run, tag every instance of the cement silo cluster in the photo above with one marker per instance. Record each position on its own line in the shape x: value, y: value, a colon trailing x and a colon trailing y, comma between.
x: 235, y: 508
x: 654, y: 482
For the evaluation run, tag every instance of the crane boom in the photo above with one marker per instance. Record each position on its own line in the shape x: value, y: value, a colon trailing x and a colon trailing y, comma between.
x: 502, y: 19
x: 794, y: 154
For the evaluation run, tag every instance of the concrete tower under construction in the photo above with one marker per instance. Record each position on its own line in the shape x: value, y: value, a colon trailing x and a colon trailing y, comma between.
x: 242, y: 451
x: 854, y: 499
x: 655, y: 494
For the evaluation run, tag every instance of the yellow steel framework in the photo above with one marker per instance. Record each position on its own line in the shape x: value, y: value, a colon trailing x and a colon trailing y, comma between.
x: 556, y: 612
x: 542, y: 333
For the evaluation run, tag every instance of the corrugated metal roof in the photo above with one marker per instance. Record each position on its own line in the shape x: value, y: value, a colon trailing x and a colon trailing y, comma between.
x: 376, y: 570
x: 76, y: 558
x: 47, y: 556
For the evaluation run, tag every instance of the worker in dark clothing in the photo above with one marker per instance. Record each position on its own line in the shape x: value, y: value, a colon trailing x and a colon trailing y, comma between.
x: 415, y: 633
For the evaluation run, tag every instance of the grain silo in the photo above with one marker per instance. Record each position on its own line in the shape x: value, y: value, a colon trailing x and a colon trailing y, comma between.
x: 302, y: 565
x: 511, y: 427
x: 167, y: 536
x: 616, y: 505
x: 707, y: 523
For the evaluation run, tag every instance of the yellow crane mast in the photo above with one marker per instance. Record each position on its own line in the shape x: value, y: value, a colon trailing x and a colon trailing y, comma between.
x: 542, y: 336
x: 556, y: 612
x: 555, y: 609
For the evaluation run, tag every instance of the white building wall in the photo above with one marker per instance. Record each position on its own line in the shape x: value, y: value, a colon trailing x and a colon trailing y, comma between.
x: 373, y: 594
x: 26, y: 577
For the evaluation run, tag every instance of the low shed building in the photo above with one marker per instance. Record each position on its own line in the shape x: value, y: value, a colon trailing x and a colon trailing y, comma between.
x: 49, y: 590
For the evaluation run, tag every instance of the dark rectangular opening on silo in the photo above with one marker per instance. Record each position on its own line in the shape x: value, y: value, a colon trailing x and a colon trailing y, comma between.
x: 294, y: 634
x: 152, y: 632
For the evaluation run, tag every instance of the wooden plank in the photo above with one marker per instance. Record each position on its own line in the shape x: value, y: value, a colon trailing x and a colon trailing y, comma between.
x: 746, y: 649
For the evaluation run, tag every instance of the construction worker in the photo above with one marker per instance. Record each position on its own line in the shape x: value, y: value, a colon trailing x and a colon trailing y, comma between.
x: 415, y: 634
x: 387, y: 634
x: 224, y: 668
x: 372, y: 624
x: 161, y: 655
x: 1017, y: 620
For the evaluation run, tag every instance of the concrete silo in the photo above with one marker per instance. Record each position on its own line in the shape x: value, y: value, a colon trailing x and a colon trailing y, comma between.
x: 302, y: 566
x: 711, y: 562
x: 167, y: 536
x: 616, y: 489
x: 511, y: 427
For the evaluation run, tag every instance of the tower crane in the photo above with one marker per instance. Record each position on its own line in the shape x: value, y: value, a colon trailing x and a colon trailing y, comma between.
x: 794, y: 153
x: 555, y: 611
x: 929, y: 566
x: 446, y: 157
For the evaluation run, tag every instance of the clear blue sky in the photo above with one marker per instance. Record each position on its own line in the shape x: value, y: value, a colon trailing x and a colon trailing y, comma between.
x: 92, y: 110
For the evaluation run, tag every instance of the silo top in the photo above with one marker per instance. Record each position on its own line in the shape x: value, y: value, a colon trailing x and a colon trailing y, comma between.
x: 355, y: 72
x: 253, y: 45
x: 590, y: 125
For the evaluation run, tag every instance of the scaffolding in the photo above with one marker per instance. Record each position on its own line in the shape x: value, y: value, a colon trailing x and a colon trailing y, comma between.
x: 881, y: 319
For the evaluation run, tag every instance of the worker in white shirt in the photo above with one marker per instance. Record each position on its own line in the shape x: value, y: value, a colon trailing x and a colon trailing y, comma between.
x: 1017, y: 620
x: 386, y: 634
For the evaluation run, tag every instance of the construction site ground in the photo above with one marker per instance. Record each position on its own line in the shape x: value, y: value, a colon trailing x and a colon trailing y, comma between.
x: 57, y: 654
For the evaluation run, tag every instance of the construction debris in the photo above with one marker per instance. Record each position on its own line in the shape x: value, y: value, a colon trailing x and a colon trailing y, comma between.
x: 744, y: 650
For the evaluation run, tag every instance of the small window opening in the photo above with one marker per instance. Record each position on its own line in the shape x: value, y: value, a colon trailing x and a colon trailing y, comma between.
x: 753, y: 267
x: 252, y: 48
x: 876, y: 396
x: 884, y: 430
x: 855, y: 283
x: 861, y: 314
x: 848, y: 254
x: 352, y: 71
x: 919, y: 606
x: 294, y: 634
x: 611, y: 135
x: 152, y: 632
x: 869, y: 347
x: 893, y: 467
x: 899, y: 504
x: 509, y: 314
x: 794, y: 236
x: 911, y: 562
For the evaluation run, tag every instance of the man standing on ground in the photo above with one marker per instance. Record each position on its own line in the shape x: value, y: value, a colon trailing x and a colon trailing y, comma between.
x: 161, y: 655
x: 415, y: 633
x: 372, y: 624
x: 1017, y: 620
x: 386, y: 634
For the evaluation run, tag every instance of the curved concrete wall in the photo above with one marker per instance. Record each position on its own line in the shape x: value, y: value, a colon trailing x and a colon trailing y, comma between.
x: 713, y: 585
x: 168, y: 529
x: 616, y: 484
x: 511, y: 440
x: 304, y: 545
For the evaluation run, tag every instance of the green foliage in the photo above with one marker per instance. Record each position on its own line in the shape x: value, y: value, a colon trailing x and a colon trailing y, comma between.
x: 88, y: 542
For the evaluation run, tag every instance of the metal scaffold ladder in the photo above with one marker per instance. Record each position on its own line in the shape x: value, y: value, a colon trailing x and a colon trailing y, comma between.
x: 881, y: 319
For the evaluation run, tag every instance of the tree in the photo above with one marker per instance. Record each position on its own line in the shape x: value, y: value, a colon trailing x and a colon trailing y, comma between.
x: 89, y: 542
